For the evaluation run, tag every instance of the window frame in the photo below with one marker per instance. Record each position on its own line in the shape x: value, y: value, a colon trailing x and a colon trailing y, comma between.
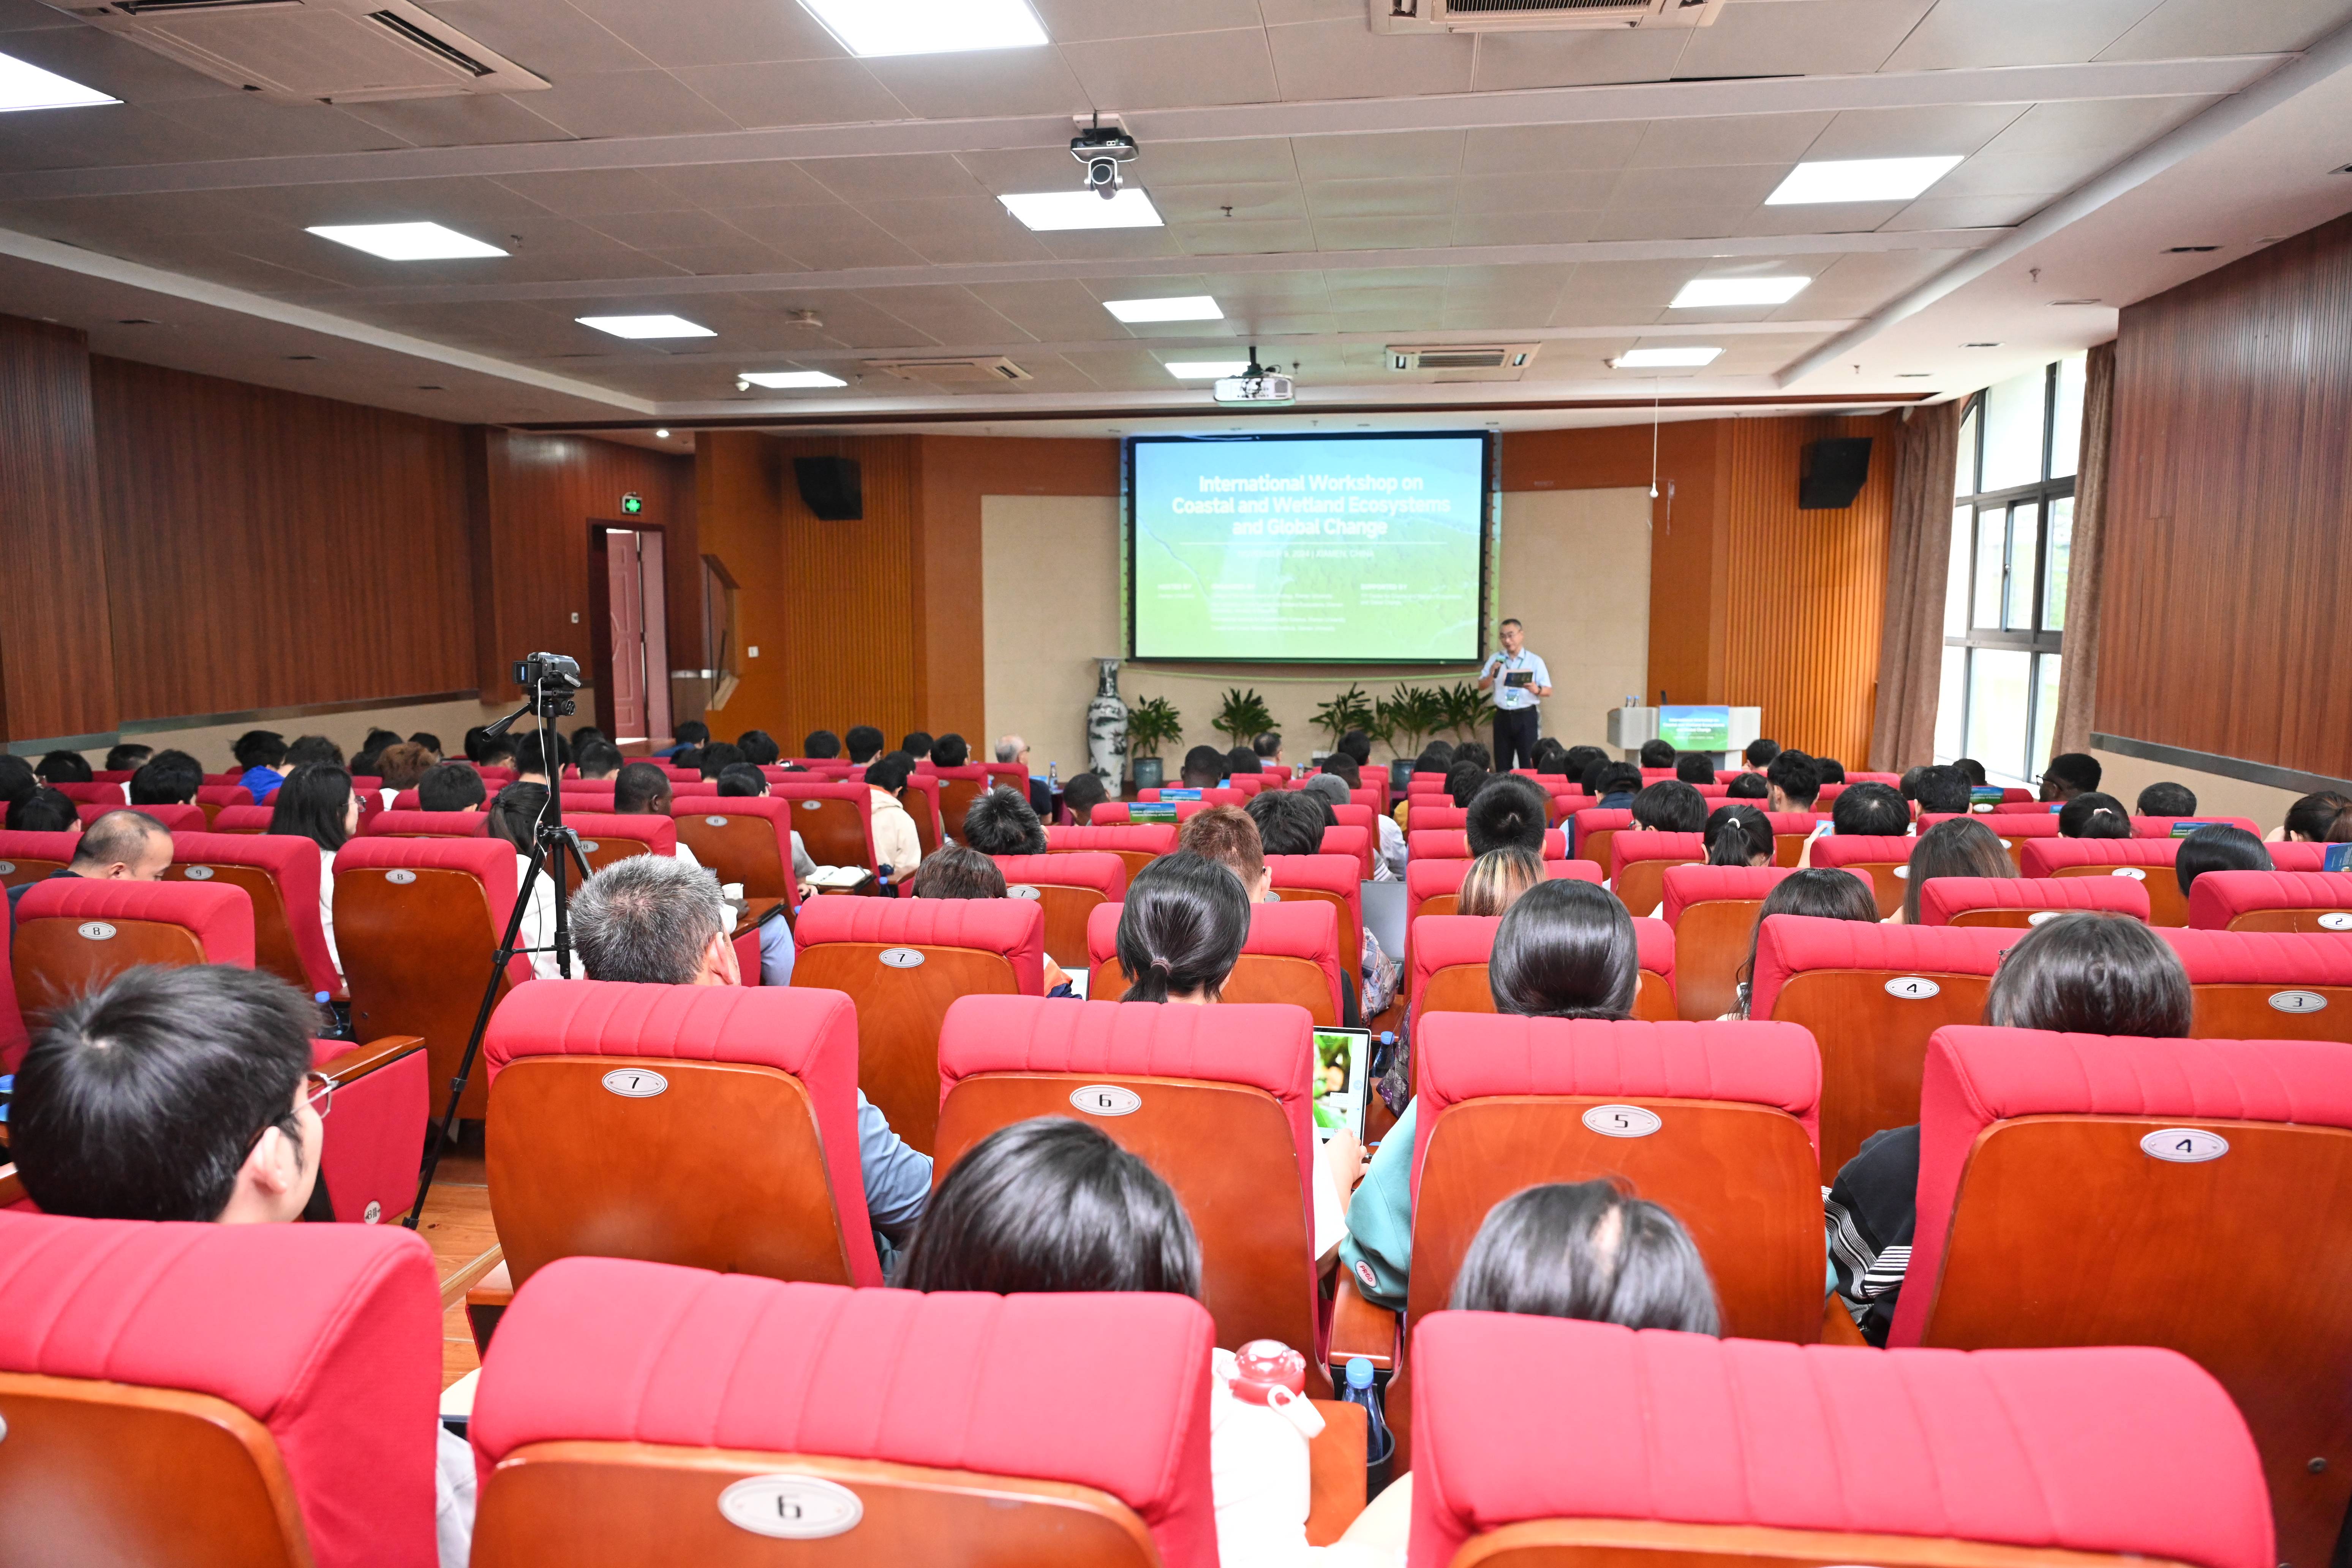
x: 2041, y: 494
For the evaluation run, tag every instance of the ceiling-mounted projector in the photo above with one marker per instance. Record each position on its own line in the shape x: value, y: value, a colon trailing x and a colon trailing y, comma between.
x: 1256, y: 385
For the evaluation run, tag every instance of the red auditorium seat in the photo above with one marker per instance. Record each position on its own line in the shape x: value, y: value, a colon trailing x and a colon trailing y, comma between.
x: 719, y: 1397
x: 1206, y: 798
x: 211, y: 799
x: 1638, y: 862
x: 1221, y: 1109
x: 74, y: 934
x: 1870, y: 995
x: 2195, y: 1170
x: 31, y: 857
x: 1370, y: 799
x: 111, y: 775
x: 744, y: 839
x: 607, y: 836
x: 2015, y: 902
x: 370, y: 792
x: 2272, y: 901
x: 1250, y: 783
x: 902, y: 962
x: 707, y: 1125
x: 959, y: 787
x: 2014, y: 831
x: 1325, y: 878
x: 1440, y: 818
x: 1070, y: 887
x: 2164, y: 827
x: 279, y: 874
x: 256, y: 819
x: 15, y: 1041
x: 1891, y: 780
x: 496, y: 776
x: 417, y: 921
x: 1449, y: 965
x: 1657, y: 775
x: 1789, y: 831
x: 1663, y: 1450
x: 1455, y: 844
x: 429, y: 824
x: 1356, y: 842
x: 111, y: 795
x: 1593, y: 828
x: 375, y: 1126
x: 1291, y: 955
x: 1886, y: 859
x: 924, y: 808
x: 1138, y: 844
x: 228, y: 778
x: 1712, y: 911
x: 178, y: 818
x: 1432, y: 887
x: 835, y: 822
x: 2253, y: 986
x: 2029, y: 806
x: 2148, y: 861
x: 203, y: 1394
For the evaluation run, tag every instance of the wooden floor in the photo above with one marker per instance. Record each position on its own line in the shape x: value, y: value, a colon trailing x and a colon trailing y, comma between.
x: 464, y: 1246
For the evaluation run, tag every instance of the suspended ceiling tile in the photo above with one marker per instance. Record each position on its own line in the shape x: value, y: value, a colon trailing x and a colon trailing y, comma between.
x: 1235, y: 237
x: 1524, y: 227
x: 1110, y: 244
x: 990, y: 82
x: 1343, y: 58
x: 1379, y: 156
x: 1078, y: 21
x: 1944, y: 130
x: 1216, y: 163
x: 2186, y: 29
x: 915, y: 176
x: 1966, y: 212
x: 824, y: 237
x: 1569, y: 189
x: 724, y: 187
x: 471, y: 120
x: 1177, y: 70
x: 1547, y: 148
x: 1814, y: 37
x: 1729, y: 138
x: 957, y: 229
x: 553, y: 38
x: 1381, y: 233
x: 709, y: 32
x: 1510, y: 60
x: 1724, y: 185
x: 793, y: 92
x: 628, y: 103
x: 596, y: 193
x: 1960, y: 33
x: 1377, y: 198
x: 1667, y: 223
x: 1201, y: 203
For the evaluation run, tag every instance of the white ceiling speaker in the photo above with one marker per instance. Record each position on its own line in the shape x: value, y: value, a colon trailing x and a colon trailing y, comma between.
x: 309, y: 51
x: 1535, y: 15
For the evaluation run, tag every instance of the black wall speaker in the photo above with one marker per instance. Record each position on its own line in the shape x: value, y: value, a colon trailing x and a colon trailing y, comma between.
x: 1833, y: 472
x: 831, y: 488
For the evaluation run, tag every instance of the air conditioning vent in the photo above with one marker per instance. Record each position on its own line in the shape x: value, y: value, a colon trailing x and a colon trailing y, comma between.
x: 950, y: 371
x: 1535, y: 15
x: 1508, y: 361
x: 305, y: 51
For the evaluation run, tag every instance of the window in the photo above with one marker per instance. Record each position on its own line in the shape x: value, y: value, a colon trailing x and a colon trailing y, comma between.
x: 2005, y: 605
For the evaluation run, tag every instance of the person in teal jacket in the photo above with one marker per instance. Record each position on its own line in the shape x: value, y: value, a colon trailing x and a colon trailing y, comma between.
x: 1565, y: 950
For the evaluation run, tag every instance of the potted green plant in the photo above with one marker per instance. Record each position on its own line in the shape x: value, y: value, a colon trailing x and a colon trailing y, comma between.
x: 1468, y: 711
x: 1351, y: 709
x: 1414, y: 714
x: 1244, y: 717
x: 1151, y: 722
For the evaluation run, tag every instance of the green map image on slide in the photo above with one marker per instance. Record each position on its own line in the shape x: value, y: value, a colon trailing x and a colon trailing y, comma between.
x: 1309, y: 550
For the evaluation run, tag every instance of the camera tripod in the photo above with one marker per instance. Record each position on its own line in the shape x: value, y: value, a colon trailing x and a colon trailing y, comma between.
x: 551, y: 678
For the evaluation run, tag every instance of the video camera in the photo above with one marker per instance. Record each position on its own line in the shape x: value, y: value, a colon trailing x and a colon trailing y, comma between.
x: 547, y: 669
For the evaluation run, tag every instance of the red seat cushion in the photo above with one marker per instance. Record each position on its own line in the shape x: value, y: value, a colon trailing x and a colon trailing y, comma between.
x: 1308, y: 930
x: 1149, y: 838
x: 2217, y: 898
x: 1106, y: 874
x: 429, y: 824
x: 2259, y: 957
x: 220, y: 917
x: 2044, y: 855
x: 659, y: 834
x: 1593, y: 819
x: 1841, y: 850
x: 2111, y: 1450
x: 1337, y: 874
x: 2162, y: 827
x: 1941, y: 897
x: 1432, y: 818
x: 328, y: 1334
x: 1014, y: 927
x: 2004, y: 825
x: 178, y: 818
x: 1642, y: 844
x: 254, y: 819
x: 1451, y: 843
x: 954, y: 1381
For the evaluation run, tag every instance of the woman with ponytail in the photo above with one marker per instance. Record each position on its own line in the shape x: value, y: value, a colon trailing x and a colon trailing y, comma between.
x: 1181, y: 928
x: 1739, y: 835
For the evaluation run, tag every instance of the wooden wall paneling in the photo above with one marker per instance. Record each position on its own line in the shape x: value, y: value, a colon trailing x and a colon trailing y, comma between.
x: 56, y: 653
x: 2228, y: 582
x: 1808, y: 589
x: 849, y: 641
x: 738, y: 505
x: 266, y: 549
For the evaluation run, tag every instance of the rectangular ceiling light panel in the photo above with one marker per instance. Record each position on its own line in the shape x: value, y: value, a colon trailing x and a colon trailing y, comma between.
x: 405, y: 241
x: 1182, y: 308
x: 873, y: 28
x: 26, y: 85
x: 1702, y: 292
x: 646, y: 326
x: 1665, y: 359
x: 1859, y: 180
x: 789, y: 380
x: 1073, y: 208
x: 1205, y: 369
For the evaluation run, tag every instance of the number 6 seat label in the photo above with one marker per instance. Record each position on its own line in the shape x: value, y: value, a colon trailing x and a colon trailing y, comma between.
x: 1107, y: 1100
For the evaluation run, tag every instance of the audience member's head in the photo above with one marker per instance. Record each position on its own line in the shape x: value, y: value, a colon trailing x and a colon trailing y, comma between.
x: 1694, y: 768
x: 1464, y: 780
x: 1000, y: 822
x: 1497, y: 878
x: 598, y: 759
x: 1792, y: 782
x: 2089, y: 974
x: 1819, y: 892
x: 514, y: 814
x: 890, y: 772
x: 316, y: 803
x: 2322, y: 818
x: 1344, y: 768
x: 2165, y: 799
x: 1613, y: 783
x: 1433, y: 761
x: 319, y: 749
x: 1011, y: 750
x: 1551, y: 760
x: 1053, y: 1206
x: 455, y: 786
x: 65, y: 767
x: 1328, y: 787
x: 1289, y: 822
x: 918, y: 744
x: 474, y: 736
x: 1183, y: 922
x: 1963, y: 846
x: 43, y: 811
x: 1759, y: 754
x: 498, y: 752
x: 531, y: 761
x: 950, y: 752
x: 688, y: 759
x: 1225, y: 835
x: 717, y: 757
x: 1670, y: 806
x: 1832, y: 771
x: 1358, y: 745
x: 172, y: 1094
x: 1943, y: 790
x: 641, y: 788
x: 17, y: 778
x: 2090, y: 815
x: 1747, y: 786
x: 1443, y: 753
x: 1566, y: 949
x: 863, y: 740
x: 760, y: 749
x: 1082, y: 794
x: 693, y: 733
x: 1269, y: 746
x: 1203, y: 766
x: 1579, y: 759
x: 954, y: 871
x: 1241, y: 760
x: 432, y: 742
x: 1510, y: 811
x: 1871, y: 810
x: 2069, y: 773
x: 1973, y: 769
x: 1738, y: 836
x: 125, y: 758
x: 2219, y: 847
x: 405, y: 765
x: 1910, y: 784
x: 1661, y: 754
x: 1474, y: 751
x: 378, y: 738
x: 741, y: 780
x: 123, y: 845
x: 651, y: 920
x: 821, y: 746
x: 1589, y: 1250
x: 170, y: 778
x: 259, y: 749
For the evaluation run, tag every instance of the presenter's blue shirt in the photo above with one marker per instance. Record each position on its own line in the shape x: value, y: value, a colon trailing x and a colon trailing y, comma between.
x: 1510, y: 697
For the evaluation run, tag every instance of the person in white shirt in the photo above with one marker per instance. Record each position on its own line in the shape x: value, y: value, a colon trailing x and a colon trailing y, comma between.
x: 514, y: 818
x: 316, y: 803
x: 1516, y: 700
x: 898, y: 848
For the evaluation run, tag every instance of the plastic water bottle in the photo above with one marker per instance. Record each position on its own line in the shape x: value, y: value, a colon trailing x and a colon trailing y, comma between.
x: 1380, y: 1443
x: 1053, y: 776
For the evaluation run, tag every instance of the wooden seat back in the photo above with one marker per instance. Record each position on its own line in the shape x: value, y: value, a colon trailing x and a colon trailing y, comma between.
x: 1137, y: 844
x: 2271, y: 902
x: 744, y: 839
x: 1712, y: 911
x: 1638, y: 861
x: 2148, y: 861
x: 279, y: 874
x: 2018, y: 903
x: 1291, y: 956
x: 31, y: 857
x: 835, y: 820
x: 1070, y: 888
x: 1886, y: 859
x: 2274, y: 985
x: 1591, y: 829
x: 1450, y: 956
x: 73, y: 934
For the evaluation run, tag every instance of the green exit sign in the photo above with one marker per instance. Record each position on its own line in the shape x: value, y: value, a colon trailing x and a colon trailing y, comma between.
x: 631, y: 504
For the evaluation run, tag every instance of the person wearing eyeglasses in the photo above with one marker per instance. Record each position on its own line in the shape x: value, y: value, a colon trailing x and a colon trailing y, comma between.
x: 188, y: 1094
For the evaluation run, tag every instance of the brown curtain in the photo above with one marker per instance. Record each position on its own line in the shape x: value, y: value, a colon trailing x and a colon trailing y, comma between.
x: 1918, y: 558
x: 2078, y: 670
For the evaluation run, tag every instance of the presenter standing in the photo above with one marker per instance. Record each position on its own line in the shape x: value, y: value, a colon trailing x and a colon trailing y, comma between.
x: 1519, y: 682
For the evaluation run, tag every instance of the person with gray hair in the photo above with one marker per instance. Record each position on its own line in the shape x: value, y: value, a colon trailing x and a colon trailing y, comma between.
x: 1388, y: 864
x: 651, y: 921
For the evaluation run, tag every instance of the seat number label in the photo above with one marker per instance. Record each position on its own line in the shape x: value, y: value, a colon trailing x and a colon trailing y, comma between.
x: 902, y: 958
x: 399, y: 879
x: 714, y: 822
x: 589, y: 846
x: 1107, y: 1100
x: 7, y: 868
x: 635, y: 1083
x: 200, y: 873
x: 2336, y: 920
x: 790, y: 1507
x: 2136, y: 873
x: 2184, y: 1145
x: 1913, y: 988
x: 96, y: 931
x: 2297, y: 1001
x: 2038, y: 916
x: 1022, y: 891
x: 1622, y: 1120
